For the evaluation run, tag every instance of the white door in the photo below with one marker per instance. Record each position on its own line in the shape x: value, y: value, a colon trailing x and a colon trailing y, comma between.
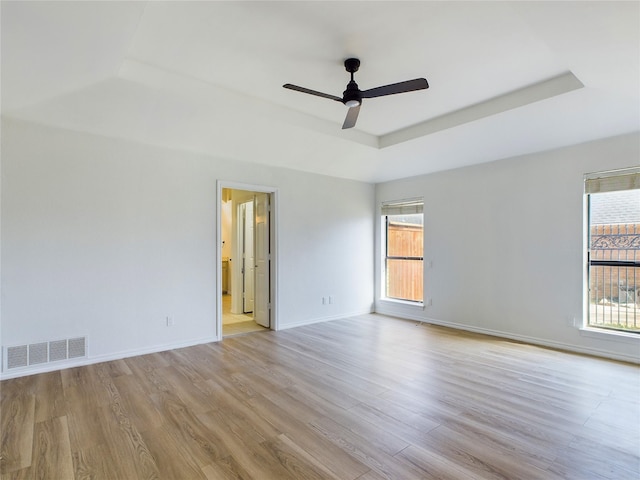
x: 262, y: 249
x: 248, y: 259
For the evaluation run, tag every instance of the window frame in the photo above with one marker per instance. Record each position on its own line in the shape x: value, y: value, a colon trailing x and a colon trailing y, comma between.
x: 596, y: 184
x: 402, y: 207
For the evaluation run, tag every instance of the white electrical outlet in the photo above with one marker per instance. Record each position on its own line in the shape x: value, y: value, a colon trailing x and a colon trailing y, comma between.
x: 170, y: 322
x: 324, y: 300
x: 331, y: 299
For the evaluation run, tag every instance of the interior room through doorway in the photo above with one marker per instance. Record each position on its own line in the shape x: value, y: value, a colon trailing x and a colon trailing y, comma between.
x: 240, y: 224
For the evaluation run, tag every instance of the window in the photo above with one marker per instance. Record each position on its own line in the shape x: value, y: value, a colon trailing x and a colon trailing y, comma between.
x: 403, y: 225
x: 613, y: 255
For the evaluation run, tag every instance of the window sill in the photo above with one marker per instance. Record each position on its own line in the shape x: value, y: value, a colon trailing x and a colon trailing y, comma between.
x: 613, y: 335
x: 404, y: 303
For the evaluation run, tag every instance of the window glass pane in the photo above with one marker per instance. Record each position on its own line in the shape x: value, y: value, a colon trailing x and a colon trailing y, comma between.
x: 614, y: 260
x: 404, y: 235
x: 404, y: 279
x: 404, y: 258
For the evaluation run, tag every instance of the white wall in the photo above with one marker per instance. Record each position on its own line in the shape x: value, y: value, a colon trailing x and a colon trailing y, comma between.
x: 506, y: 242
x: 107, y: 238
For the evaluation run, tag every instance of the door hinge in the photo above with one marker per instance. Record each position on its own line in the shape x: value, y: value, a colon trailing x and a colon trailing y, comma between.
x: 268, y: 306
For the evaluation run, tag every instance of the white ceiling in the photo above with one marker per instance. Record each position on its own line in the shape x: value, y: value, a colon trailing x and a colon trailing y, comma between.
x: 506, y: 78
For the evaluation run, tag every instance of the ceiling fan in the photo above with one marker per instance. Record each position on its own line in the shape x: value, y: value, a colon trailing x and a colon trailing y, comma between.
x: 352, y: 96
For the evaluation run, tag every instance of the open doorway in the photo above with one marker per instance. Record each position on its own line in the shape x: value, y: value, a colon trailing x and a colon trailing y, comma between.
x: 246, y: 244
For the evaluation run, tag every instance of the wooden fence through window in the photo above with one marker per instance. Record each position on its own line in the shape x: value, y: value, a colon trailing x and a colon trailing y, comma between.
x: 405, y: 275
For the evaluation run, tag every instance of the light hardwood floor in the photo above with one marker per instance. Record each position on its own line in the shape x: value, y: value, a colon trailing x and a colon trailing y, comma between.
x: 366, y: 398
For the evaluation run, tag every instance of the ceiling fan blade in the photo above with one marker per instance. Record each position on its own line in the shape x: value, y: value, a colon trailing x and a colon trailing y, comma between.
x: 352, y: 116
x: 402, y: 87
x: 311, y: 92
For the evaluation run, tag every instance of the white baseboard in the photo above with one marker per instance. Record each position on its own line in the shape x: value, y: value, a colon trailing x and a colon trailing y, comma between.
x: 405, y: 315
x: 520, y: 338
x: 80, y: 362
x: 311, y: 321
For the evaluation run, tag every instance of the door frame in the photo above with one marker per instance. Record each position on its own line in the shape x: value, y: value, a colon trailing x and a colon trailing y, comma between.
x: 273, y: 240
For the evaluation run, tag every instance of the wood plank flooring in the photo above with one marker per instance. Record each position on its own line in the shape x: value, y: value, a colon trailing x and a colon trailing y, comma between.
x: 366, y: 398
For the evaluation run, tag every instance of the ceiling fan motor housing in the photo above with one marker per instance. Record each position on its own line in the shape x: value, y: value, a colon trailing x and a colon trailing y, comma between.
x: 351, y: 94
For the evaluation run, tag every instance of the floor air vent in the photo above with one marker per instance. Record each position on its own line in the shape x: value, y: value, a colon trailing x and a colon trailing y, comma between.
x: 21, y: 356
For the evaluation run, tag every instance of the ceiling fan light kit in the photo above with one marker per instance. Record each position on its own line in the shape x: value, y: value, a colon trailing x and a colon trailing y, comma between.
x: 352, y: 96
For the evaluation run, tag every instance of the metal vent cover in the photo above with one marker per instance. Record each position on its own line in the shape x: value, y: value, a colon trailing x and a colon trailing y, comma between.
x: 38, y: 353
x: 21, y: 356
x: 17, y: 356
x: 77, y: 347
x: 57, y: 350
